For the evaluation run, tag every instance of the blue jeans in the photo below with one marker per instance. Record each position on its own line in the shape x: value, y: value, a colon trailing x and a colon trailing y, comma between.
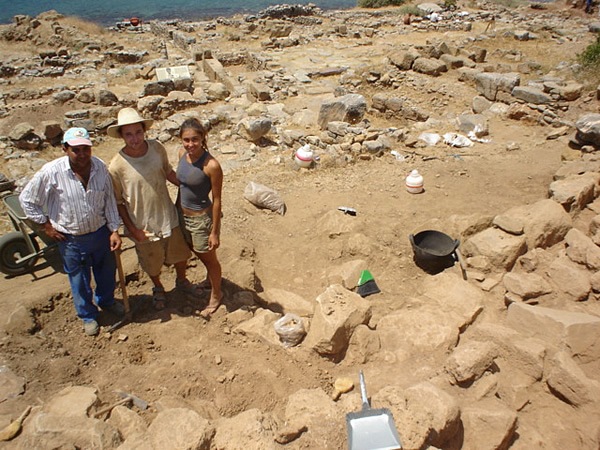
x: 81, y: 256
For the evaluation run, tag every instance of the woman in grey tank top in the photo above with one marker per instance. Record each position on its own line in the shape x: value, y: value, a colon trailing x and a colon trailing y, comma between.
x: 201, y: 182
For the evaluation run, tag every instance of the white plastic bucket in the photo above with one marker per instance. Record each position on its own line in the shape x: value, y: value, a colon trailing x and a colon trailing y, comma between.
x: 304, y: 156
x: 414, y: 182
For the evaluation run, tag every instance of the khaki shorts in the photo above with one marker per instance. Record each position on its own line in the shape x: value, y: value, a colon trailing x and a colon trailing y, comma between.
x: 152, y: 255
x: 196, y: 231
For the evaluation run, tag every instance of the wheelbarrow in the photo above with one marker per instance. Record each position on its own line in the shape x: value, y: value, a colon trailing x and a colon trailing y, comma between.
x: 20, y: 249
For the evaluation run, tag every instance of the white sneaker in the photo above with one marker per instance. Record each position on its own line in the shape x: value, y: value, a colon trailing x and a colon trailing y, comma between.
x: 91, y: 328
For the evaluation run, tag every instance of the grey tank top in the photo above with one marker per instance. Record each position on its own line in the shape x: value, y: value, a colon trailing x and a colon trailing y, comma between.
x: 195, y: 184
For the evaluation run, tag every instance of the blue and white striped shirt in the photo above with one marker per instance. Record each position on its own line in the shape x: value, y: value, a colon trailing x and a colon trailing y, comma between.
x: 70, y: 208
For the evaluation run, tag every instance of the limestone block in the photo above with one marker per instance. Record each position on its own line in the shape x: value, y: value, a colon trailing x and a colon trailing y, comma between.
x: 107, y: 98
x: 423, y: 413
x: 501, y: 249
x: 56, y: 430
x: 347, y: 274
x: 569, y: 383
x: 576, y: 191
x: 581, y: 249
x: 214, y: 70
x: 337, y: 313
x: 363, y: 347
x: 315, y: 410
x: 452, y: 62
x: 283, y: 302
x: 158, y: 88
x: 218, y: 91
x: 489, y: 84
x: 310, y: 406
x: 86, y: 96
x: 348, y: 108
x: 577, y: 167
x: 460, y: 301
x: 149, y: 104
x: 254, y: 128
x: 429, y: 66
x: 545, y: 223
x: 527, y: 355
x: 72, y: 401
x: 475, y: 123
x: 176, y: 101
x: 510, y: 224
x: 531, y: 94
x: 480, y: 104
x: 404, y: 60
x: 260, y: 91
x: 261, y: 326
x: 499, y: 423
x: 570, y: 279
x: 588, y: 129
x: 576, y: 333
x: 526, y: 285
x: 468, y: 74
x: 128, y: 422
x: 570, y: 92
x: 469, y: 361
x: 425, y: 329
x: 180, y: 428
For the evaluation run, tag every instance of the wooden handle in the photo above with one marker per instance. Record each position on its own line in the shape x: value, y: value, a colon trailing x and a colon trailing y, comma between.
x: 122, y: 280
x: 111, y: 407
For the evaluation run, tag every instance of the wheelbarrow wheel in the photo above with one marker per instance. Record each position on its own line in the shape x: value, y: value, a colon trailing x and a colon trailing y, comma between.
x: 13, y: 246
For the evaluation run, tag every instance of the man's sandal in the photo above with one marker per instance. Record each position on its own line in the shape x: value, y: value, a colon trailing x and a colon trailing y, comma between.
x: 187, y: 287
x: 159, y: 298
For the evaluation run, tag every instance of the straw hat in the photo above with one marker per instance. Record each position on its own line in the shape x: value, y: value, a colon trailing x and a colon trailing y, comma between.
x: 127, y: 116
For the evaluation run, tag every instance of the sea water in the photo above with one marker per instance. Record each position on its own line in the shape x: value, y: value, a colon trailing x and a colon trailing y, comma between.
x: 108, y: 12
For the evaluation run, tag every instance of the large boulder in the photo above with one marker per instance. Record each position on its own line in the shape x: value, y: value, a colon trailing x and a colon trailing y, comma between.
x: 491, y: 415
x: 544, y: 223
x: 575, y: 192
x: 499, y: 248
x: 349, y: 108
x: 337, y: 313
x: 588, y: 129
x: 574, y: 332
x: 429, y: 66
x: 489, y: 84
x: 425, y: 415
x: 531, y: 94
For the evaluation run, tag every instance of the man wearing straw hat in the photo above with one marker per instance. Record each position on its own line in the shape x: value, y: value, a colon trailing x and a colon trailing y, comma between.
x: 72, y: 199
x: 140, y: 171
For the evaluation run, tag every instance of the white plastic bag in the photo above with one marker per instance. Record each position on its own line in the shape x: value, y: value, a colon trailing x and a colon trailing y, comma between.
x: 430, y: 138
x: 457, y: 140
x: 264, y: 197
x: 290, y: 329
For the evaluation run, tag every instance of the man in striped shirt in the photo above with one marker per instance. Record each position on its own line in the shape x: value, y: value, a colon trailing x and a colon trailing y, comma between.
x: 72, y: 198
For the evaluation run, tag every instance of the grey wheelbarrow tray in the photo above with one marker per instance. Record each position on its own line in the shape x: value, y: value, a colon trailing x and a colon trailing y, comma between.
x: 20, y: 250
x: 371, y: 429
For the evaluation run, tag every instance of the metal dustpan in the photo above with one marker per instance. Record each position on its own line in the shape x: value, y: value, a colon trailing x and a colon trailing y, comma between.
x: 371, y: 429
